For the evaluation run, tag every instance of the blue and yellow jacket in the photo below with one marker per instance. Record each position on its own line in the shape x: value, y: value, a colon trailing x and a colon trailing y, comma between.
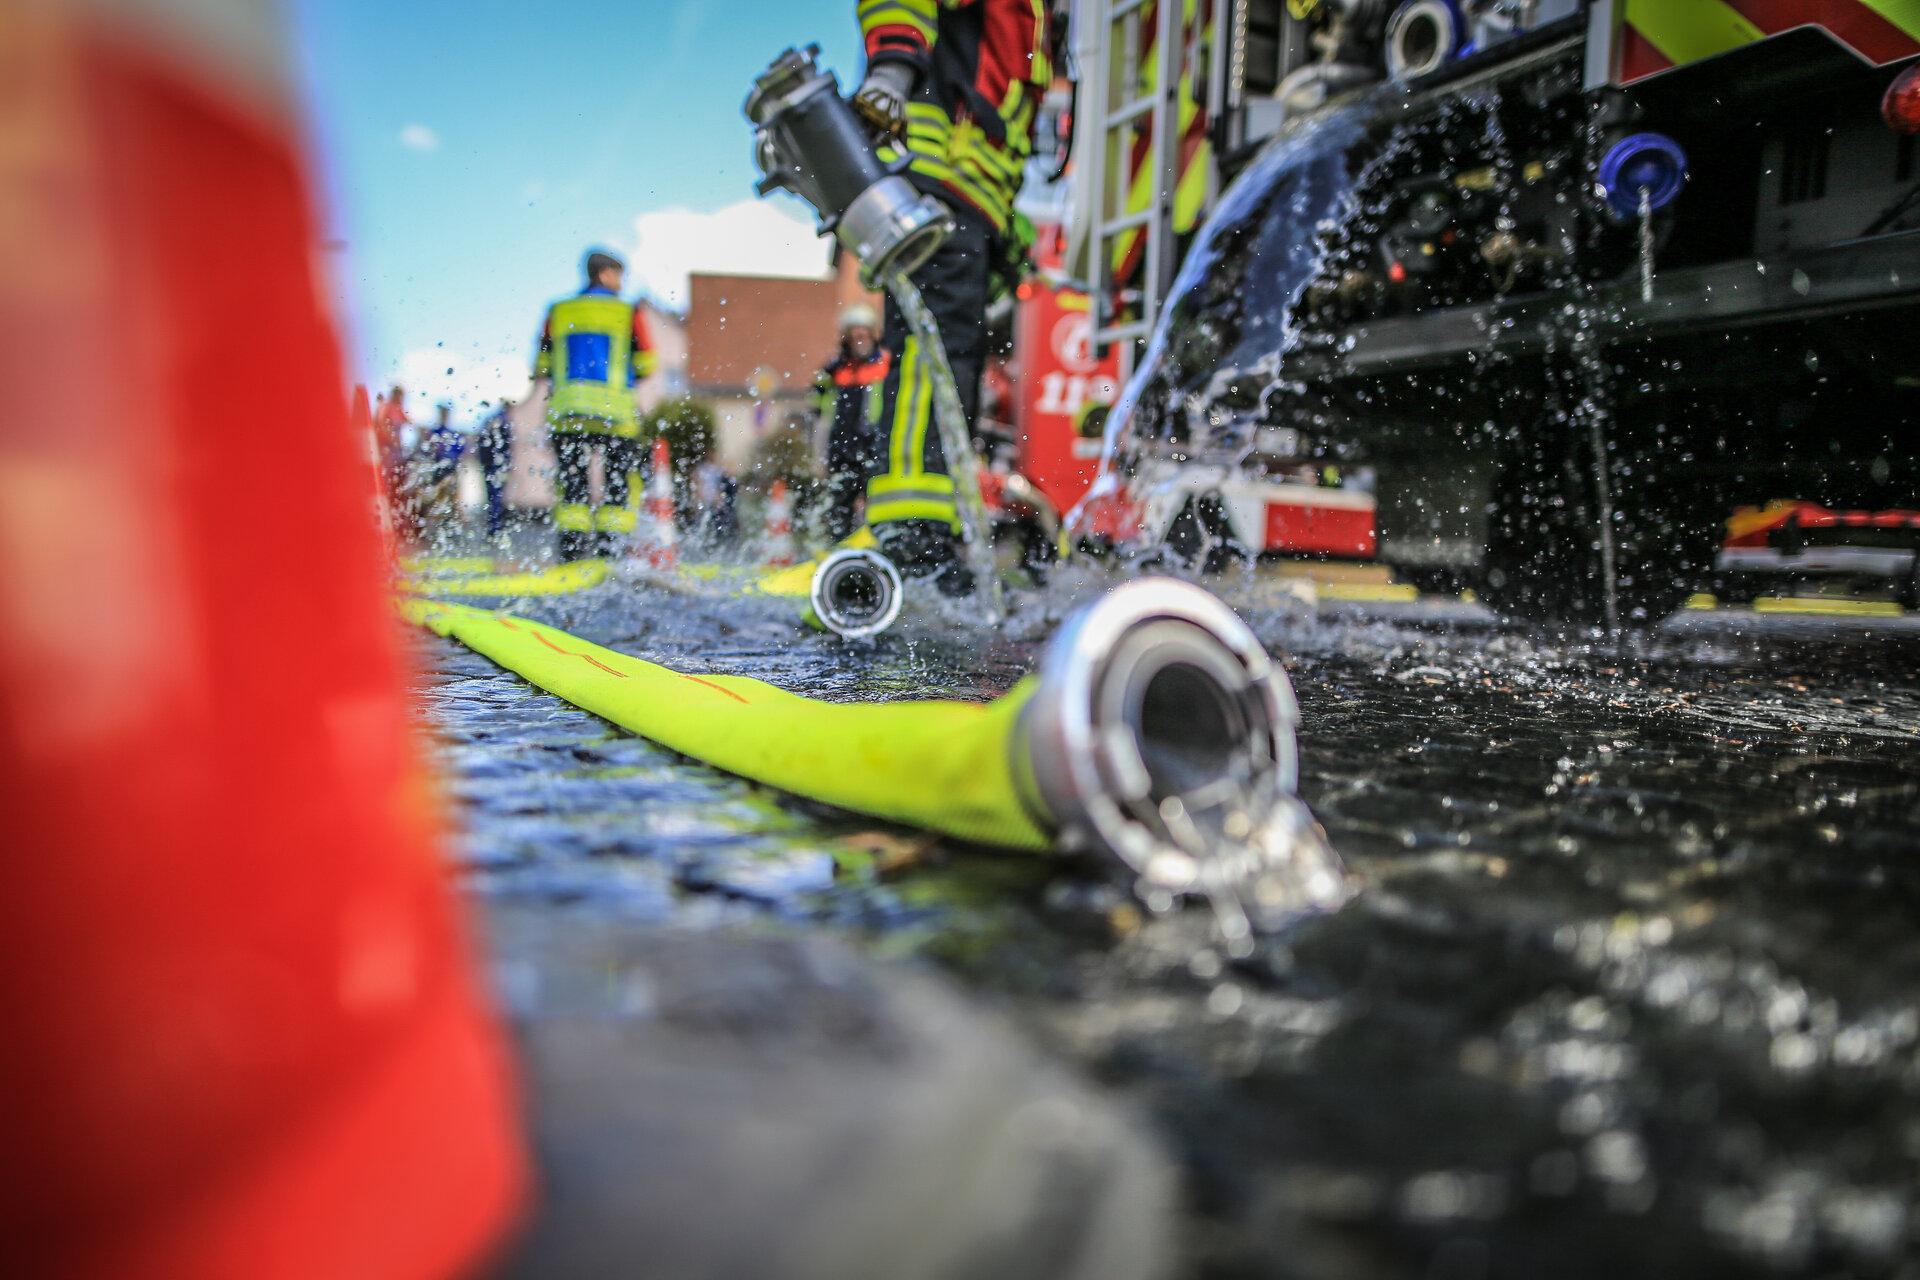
x: 595, y: 348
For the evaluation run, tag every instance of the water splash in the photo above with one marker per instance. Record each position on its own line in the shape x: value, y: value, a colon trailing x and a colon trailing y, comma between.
x: 1646, y: 245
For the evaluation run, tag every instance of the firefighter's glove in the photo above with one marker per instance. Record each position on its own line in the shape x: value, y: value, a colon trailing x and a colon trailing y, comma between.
x: 1011, y: 258
x: 882, y: 98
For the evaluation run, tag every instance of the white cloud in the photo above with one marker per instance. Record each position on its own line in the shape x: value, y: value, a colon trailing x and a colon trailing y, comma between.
x: 418, y: 137
x: 685, y: 28
x: 473, y: 384
x: 753, y: 237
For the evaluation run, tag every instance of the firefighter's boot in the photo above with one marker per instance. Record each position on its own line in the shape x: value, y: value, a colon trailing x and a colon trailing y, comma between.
x: 926, y: 549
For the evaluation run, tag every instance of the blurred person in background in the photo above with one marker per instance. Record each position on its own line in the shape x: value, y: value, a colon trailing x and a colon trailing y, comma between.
x: 594, y: 349
x: 433, y: 475
x: 394, y: 436
x: 391, y: 418
x: 848, y: 393
x: 443, y: 443
x: 716, y: 501
x: 495, y: 449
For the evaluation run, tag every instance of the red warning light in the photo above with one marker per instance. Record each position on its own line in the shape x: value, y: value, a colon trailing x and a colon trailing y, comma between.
x: 1901, y: 106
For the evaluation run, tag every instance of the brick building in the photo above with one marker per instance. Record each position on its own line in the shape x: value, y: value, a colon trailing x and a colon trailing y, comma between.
x: 754, y: 344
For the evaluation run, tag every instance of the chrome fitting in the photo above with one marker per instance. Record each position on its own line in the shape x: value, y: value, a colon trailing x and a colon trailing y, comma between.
x: 891, y: 229
x: 855, y: 593
x: 1162, y: 733
x: 1423, y: 36
x: 808, y: 140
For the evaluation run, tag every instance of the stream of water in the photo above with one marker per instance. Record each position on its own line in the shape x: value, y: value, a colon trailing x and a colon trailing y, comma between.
x: 956, y: 442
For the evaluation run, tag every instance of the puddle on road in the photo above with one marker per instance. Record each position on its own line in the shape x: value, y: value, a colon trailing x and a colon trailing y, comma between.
x: 1632, y: 985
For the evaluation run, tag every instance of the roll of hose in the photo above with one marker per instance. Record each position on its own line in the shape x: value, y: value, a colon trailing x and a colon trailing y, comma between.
x: 1157, y: 731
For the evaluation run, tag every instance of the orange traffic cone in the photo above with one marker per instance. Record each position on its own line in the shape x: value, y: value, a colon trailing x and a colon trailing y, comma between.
x: 659, y: 539
x: 244, y: 1033
x: 779, y: 534
x: 360, y: 413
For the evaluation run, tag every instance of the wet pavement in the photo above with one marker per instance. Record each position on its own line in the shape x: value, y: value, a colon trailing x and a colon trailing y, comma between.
x: 1633, y: 986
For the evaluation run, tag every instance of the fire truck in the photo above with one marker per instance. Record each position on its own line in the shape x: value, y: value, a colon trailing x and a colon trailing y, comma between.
x: 1796, y: 543
x: 1055, y: 387
x: 1045, y: 400
x: 1542, y: 287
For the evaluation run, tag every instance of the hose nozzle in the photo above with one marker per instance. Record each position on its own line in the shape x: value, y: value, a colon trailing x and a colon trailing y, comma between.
x: 1422, y: 36
x: 1162, y: 733
x: 855, y: 593
x: 809, y: 141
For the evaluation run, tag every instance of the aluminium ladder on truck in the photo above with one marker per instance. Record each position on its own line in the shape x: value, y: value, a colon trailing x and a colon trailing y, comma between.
x: 1164, y: 88
x: 1135, y: 58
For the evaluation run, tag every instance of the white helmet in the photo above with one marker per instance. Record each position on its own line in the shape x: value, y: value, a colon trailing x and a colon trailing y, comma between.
x: 859, y: 316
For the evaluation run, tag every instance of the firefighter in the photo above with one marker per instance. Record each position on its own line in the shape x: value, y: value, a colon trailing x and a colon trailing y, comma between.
x: 494, y: 445
x: 594, y: 349
x: 956, y: 84
x: 848, y: 392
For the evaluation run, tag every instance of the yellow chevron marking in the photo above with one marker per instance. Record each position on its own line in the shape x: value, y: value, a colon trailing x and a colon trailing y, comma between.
x: 1904, y: 14
x: 1826, y: 605
x: 1688, y: 30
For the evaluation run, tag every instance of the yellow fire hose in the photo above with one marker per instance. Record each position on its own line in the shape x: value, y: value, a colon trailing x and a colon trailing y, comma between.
x: 478, y: 578
x: 939, y: 765
x: 1157, y: 730
x: 852, y: 591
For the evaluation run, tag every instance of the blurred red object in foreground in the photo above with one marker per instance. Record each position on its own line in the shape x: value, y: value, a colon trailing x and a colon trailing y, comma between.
x: 242, y: 1037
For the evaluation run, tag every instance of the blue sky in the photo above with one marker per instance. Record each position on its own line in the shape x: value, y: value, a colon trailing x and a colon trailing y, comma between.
x: 469, y: 152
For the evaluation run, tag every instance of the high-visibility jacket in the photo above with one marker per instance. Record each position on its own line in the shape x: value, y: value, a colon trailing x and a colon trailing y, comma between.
x: 847, y: 393
x: 982, y: 67
x: 595, y: 348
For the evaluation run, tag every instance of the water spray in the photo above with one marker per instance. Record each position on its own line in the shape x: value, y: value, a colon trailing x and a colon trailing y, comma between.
x: 1639, y: 174
x: 956, y: 443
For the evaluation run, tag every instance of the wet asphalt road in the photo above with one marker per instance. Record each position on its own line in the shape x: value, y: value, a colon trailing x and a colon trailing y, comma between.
x: 1633, y: 987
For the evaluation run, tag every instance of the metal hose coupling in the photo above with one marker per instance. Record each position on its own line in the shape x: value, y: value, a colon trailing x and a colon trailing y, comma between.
x: 855, y: 593
x: 1161, y: 732
x: 808, y: 140
x: 1424, y: 35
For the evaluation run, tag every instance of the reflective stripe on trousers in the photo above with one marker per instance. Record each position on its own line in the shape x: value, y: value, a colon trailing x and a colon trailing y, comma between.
x: 575, y: 511
x: 954, y: 284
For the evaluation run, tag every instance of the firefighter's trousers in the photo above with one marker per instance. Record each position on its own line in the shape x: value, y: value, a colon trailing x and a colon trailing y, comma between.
x: 853, y: 457
x: 584, y: 527
x: 913, y: 481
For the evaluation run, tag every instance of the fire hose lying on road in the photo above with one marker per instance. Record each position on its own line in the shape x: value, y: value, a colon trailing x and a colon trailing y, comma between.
x: 1157, y: 730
